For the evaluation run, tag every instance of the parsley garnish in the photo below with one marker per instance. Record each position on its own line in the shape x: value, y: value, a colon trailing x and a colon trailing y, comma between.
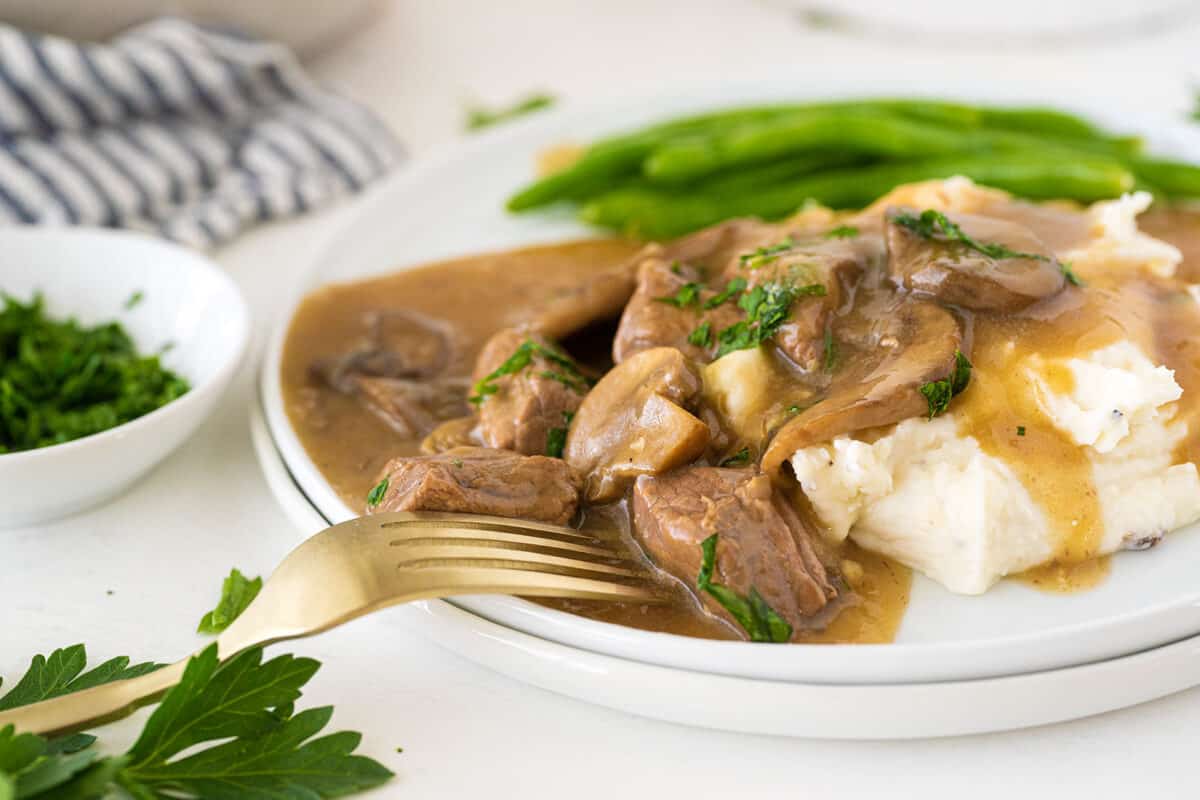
x: 752, y: 613
x: 1020, y: 430
x: 688, y: 294
x: 521, y: 358
x: 1070, y: 275
x: 702, y: 336
x: 676, y: 268
x: 761, y: 256
x: 794, y: 409
x: 62, y: 673
x: 842, y: 232
x: 61, y: 381
x: 556, y: 438
x: 735, y: 286
x: 134, y: 299
x: 830, y: 351
x: 237, y: 592
x: 478, y: 118
x: 375, y: 496
x: 244, y: 705
x: 766, y: 308
x: 939, y: 393
x: 739, y: 459
x: 934, y: 224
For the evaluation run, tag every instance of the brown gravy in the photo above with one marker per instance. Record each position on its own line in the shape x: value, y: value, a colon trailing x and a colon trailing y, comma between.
x: 484, y: 293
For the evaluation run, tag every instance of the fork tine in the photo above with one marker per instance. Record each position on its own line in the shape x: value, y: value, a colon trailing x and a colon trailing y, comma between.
x: 482, y: 579
x: 483, y: 536
x: 430, y: 552
x: 407, y: 519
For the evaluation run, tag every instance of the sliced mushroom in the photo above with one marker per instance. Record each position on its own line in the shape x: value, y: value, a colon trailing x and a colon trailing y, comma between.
x: 901, y: 348
x: 957, y: 274
x: 634, y: 422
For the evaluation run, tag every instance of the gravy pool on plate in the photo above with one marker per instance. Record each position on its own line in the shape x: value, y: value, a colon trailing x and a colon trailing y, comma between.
x: 949, y: 380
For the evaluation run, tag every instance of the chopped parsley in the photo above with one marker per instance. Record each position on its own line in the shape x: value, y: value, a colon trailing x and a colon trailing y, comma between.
x: 479, y: 118
x: 933, y: 224
x: 735, y: 286
x: 375, y: 496
x: 842, y: 232
x: 134, y: 299
x: 1020, y: 430
x: 830, y: 351
x: 556, y: 438
x: 766, y: 308
x: 61, y: 381
x: 676, y: 268
x: 521, y: 358
x: 761, y: 256
x: 939, y: 393
x: 752, y: 612
x: 1070, y: 275
x: 794, y: 409
x: 688, y: 295
x: 739, y: 459
x: 702, y: 336
x: 237, y: 593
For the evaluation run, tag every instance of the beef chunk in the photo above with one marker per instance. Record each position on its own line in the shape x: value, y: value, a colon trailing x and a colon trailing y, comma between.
x: 395, y: 343
x: 635, y: 422
x: 762, y: 543
x: 531, y: 401
x: 478, y: 480
x: 658, y: 315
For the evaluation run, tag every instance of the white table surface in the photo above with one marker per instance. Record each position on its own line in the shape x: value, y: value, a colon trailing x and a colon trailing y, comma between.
x: 135, y: 575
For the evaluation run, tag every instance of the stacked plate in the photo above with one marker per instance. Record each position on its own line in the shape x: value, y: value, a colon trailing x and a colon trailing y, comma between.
x: 1013, y: 657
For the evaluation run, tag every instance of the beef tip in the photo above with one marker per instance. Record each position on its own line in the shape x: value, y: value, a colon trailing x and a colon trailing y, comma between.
x: 532, y: 400
x: 900, y: 344
x: 1021, y: 271
x: 823, y: 268
x: 761, y: 544
x: 396, y: 343
x: 412, y: 408
x: 635, y: 422
x: 478, y: 480
x: 667, y: 308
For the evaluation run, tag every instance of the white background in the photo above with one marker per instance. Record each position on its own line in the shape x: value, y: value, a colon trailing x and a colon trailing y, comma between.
x: 134, y: 576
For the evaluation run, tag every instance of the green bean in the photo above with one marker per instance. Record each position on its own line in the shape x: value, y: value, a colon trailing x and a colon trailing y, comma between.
x: 1040, y: 121
x: 774, y: 173
x: 867, y: 133
x: 1173, y: 179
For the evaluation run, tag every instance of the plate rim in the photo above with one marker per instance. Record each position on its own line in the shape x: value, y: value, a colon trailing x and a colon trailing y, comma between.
x: 921, y: 662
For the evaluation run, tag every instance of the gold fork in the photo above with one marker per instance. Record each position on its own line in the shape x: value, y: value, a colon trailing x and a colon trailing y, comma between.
x: 373, y: 562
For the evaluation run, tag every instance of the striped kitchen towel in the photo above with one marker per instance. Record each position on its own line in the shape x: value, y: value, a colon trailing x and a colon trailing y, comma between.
x: 173, y: 128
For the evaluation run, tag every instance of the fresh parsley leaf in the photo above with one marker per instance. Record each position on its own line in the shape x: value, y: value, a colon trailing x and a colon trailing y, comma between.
x: 757, y: 618
x: 687, y: 295
x: 933, y: 224
x: 556, y: 440
x: 134, y: 299
x: 237, y: 593
x: 938, y: 394
x: 62, y: 673
x: 521, y: 358
x: 842, y: 232
x: 734, y: 287
x: 794, y: 409
x: 676, y: 268
x: 767, y: 307
x: 761, y: 256
x: 377, y: 493
x: 739, y: 459
x: 829, y: 351
x: 1070, y: 275
x: 702, y: 336
x: 479, y: 118
x: 1020, y: 430
x: 811, y: 290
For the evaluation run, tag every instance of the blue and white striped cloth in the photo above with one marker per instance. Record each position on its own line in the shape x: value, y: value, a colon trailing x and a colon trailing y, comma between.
x: 176, y: 129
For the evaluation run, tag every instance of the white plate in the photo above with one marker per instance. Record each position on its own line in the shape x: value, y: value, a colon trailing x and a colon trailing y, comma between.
x: 847, y: 711
x: 187, y: 302
x: 451, y: 204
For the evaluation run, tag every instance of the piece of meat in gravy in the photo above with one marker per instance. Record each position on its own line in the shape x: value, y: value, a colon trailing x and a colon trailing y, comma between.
x: 412, y: 408
x: 480, y: 480
x: 762, y: 543
x: 530, y: 402
x: 669, y: 306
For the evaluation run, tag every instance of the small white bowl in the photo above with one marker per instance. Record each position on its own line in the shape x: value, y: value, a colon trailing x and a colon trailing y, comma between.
x: 186, y: 302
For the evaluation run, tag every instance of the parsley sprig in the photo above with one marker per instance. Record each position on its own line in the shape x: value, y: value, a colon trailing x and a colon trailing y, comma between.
x: 751, y: 612
x: 568, y: 374
x: 842, y: 232
x: 933, y: 224
x: 938, y: 394
x: 761, y: 256
x: 556, y: 438
x: 767, y: 306
x: 237, y: 593
x: 735, y: 287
